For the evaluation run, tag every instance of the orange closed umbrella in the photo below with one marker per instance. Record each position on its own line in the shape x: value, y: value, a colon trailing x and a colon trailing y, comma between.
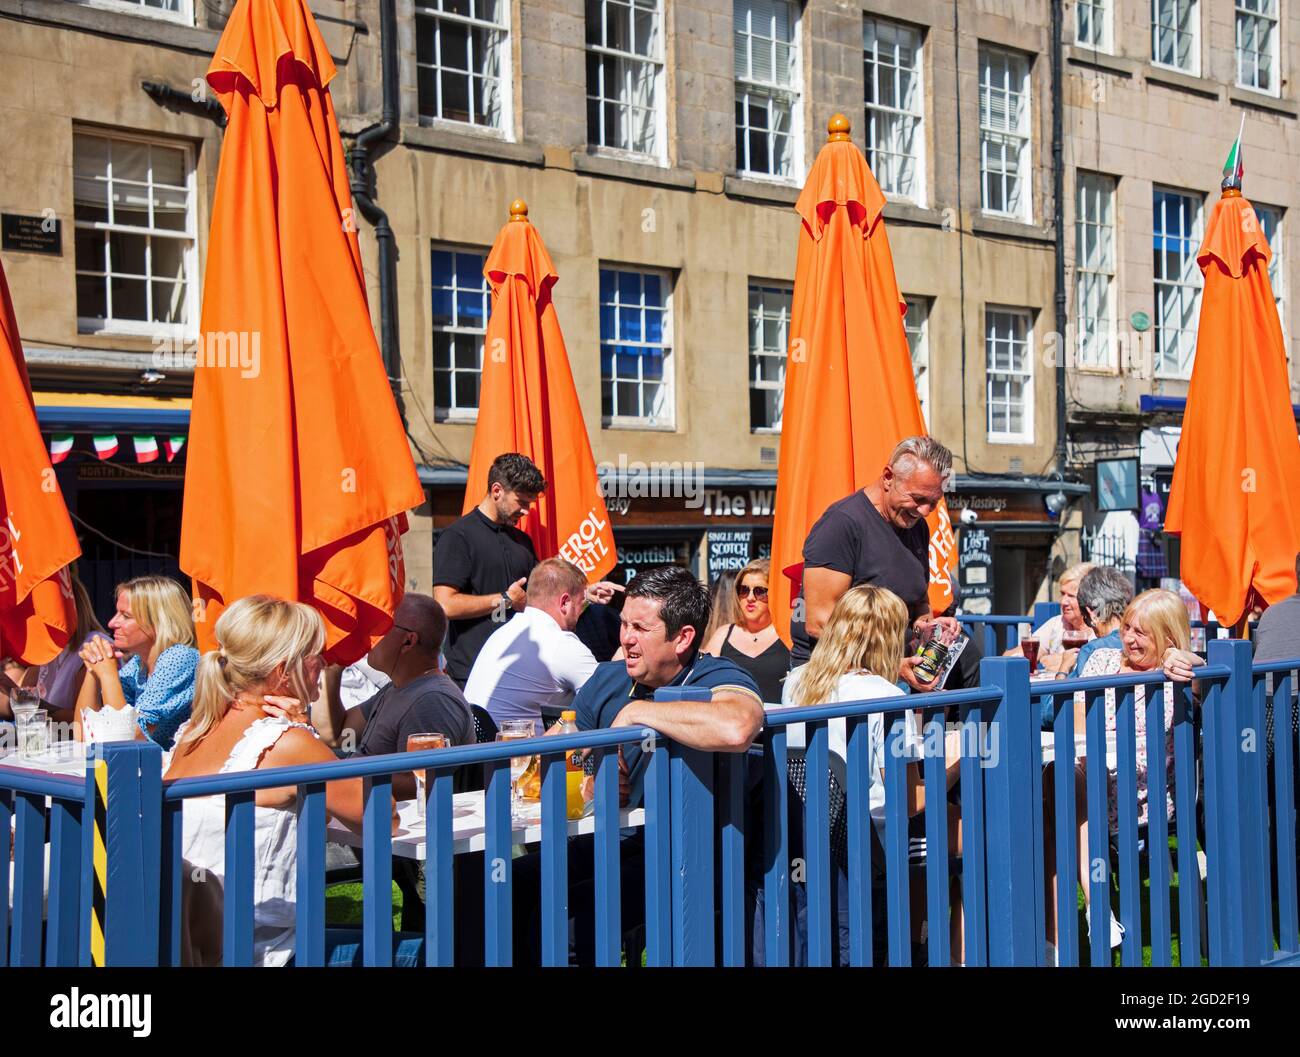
x: 1235, y: 498
x: 850, y: 395
x: 37, y: 542
x: 299, y: 473
x: 528, y: 404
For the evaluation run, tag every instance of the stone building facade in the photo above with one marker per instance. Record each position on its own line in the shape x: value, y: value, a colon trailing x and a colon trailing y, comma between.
x: 673, y: 232
x: 1151, y: 113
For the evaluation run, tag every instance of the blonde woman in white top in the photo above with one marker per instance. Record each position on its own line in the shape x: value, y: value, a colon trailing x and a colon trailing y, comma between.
x: 864, y: 637
x: 251, y: 703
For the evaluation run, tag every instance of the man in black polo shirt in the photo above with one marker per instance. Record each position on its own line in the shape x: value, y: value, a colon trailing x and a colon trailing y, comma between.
x: 878, y: 536
x: 481, y: 562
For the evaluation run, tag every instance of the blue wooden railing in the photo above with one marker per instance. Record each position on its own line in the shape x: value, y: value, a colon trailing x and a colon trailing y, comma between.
x: 997, y: 633
x: 701, y: 882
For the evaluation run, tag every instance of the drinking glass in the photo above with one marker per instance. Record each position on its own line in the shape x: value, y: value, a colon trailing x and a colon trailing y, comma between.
x: 1073, y: 640
x: 24, y: 702
x: 517, y: 730
x: 418, y: 743
x: 33, y: 733
x: 1029, y: 647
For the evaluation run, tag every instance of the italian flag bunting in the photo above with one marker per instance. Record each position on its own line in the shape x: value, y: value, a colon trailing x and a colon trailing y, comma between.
x: 60, y: 446
x: 105, y: 447
x: 146, y: 448
x: 1233, y: 170
x: 172, y: 445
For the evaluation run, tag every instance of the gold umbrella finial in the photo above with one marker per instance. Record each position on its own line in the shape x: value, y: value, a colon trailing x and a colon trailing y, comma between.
x: 519, y: 210
x: 838, y: 127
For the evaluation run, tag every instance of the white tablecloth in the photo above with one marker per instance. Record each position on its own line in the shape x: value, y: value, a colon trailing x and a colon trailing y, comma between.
x: 65, y: 757
x: 468, y: 827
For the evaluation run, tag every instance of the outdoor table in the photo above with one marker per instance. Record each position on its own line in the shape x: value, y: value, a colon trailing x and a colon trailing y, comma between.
x: 468, y: 826
x: 64, y: 757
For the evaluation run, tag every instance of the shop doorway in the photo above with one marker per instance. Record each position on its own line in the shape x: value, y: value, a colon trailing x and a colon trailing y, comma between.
x: 1020, y: 566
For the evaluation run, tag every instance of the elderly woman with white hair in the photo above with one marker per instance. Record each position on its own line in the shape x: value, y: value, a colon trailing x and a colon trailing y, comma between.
x: 1060, y: 637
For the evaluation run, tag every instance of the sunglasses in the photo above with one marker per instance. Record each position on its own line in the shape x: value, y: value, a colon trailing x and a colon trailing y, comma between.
x: 759, y: 593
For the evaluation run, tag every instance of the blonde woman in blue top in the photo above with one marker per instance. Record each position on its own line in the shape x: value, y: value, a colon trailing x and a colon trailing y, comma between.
x: 153, y: 641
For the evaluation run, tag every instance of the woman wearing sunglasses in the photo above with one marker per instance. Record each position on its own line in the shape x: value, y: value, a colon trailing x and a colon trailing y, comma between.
x: 750, y: 640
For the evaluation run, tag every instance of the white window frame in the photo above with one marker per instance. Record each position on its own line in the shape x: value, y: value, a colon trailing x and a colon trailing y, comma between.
x: 457, y: 414
x: 1258, y: 14
x: 763, y: 351
x: 185, y: 16
x: 1190, y: 281
x: 1100, y: 18
x: 993, y: 374
x: 135, y: 327
x: 667, y: 419
x: 1277, y: 261
x: 1094, y: 265
x: 1194, y: 48
x: 873, y: 66
x: 916, y: 324
x: 1005, y: 60
x: 789, y: 93
x: 659, y: 155
x: 428, y: 11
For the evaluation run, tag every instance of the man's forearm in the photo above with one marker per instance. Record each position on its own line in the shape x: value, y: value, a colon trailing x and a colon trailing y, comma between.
x: 459, y: 606
x: 727, y: 723
x: 329, y: 707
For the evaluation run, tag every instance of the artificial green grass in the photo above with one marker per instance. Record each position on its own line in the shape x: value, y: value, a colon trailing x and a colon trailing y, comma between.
x: 1175, y: 947
x: 343, y: 905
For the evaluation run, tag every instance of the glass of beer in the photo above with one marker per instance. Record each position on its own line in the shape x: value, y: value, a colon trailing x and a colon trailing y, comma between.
x: 1029, y: 647
x: 419, y: 743
x: 517, y: 730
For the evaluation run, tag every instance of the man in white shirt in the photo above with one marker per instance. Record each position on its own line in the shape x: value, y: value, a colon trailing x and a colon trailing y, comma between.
x: 359, y: 682
x: 535, y: 661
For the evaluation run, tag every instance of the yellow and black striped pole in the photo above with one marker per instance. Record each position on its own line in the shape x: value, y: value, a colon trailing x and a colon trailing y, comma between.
x: 99, y: 878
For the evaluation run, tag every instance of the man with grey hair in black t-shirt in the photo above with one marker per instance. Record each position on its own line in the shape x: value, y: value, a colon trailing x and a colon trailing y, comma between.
x: 877, y: 536
x: 421, y: 699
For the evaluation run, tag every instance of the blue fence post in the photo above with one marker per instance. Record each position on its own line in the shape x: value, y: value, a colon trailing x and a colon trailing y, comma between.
x: 133, y: 848
x: 691, y: 823
x: 1043, y: 612
x: 1234, y: 747
x: 1008, y: 814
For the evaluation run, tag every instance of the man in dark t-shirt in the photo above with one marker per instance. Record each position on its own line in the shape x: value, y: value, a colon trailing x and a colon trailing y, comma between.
x: 663, y: 618
x: 420, y: 699
x: 481, y: 562
x: 876, y: 536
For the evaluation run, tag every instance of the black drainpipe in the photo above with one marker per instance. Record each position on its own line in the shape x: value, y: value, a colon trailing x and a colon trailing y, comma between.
x: 1058, y: 205
x: 363, y: 181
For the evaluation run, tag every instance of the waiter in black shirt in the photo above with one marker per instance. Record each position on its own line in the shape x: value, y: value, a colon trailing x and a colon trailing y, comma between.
x: 481, y: 562
x: 877, y: 536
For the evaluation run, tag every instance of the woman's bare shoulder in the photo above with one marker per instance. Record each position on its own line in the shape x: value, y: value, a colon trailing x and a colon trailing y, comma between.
x: 296, y: 745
